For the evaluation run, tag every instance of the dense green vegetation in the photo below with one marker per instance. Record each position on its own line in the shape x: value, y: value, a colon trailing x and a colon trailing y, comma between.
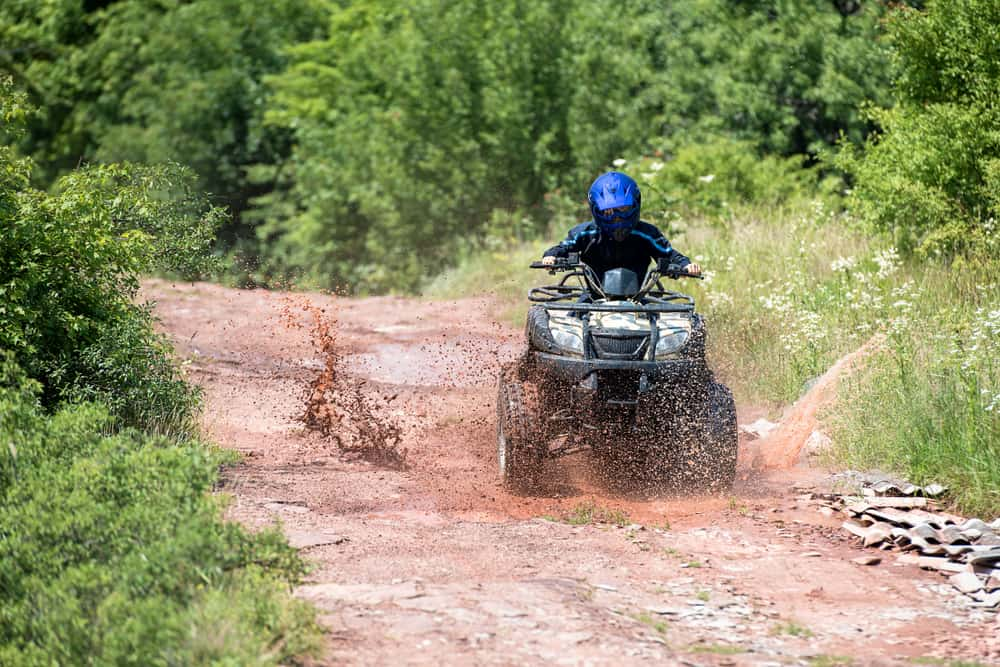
x: 932, y: 177
x: 112, y: 550
x: 356, y: 139
x: 156, y: 80
x: 485, y: 107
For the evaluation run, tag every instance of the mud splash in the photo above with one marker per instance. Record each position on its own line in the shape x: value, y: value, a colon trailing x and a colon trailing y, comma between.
x: 782, y: 448
x: 340, y: 408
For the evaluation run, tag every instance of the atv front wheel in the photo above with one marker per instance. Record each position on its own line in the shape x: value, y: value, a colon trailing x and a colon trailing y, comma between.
x: 717, y: 441
x: 517, y: 454
x: 696, y: 450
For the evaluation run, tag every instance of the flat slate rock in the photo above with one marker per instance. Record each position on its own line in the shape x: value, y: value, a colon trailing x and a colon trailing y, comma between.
x: 867, y: 560
x: 301, y: 539
x: 967, y: 582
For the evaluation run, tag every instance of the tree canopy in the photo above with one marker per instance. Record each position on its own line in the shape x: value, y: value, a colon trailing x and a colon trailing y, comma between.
x: 353, y: 139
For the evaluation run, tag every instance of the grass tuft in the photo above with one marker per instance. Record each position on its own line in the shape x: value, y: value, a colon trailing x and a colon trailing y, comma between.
x: 588, y: 512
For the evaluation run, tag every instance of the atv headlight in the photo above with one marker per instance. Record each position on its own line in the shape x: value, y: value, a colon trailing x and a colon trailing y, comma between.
x: 670, y: 342
x: 568, y: 340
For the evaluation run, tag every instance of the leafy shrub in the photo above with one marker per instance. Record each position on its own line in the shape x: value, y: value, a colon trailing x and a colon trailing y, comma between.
x: 70, y: 263
x: 112, y: 549
x: 113, y: 552
x: 715, y: 177
x: 931, y: 178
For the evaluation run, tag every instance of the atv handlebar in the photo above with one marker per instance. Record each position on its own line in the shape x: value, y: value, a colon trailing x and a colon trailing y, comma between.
x: 572, y: 261
x: 568, y: 263
x: 674, y: 271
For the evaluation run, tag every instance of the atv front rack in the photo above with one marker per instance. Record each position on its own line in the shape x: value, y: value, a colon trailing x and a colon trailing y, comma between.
x: 663, y: 307
x: 575, y: 297
x: 569, y: 297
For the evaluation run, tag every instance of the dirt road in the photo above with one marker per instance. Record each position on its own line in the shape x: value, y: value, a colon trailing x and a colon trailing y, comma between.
x: 438, y: 564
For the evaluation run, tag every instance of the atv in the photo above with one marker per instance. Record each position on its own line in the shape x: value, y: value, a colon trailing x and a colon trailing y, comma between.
x: 618, y: 369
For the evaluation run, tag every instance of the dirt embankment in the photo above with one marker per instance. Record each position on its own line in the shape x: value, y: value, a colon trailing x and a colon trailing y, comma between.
x: 433, y: 562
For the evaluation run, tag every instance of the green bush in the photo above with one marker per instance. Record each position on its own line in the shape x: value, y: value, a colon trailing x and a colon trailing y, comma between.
x: 931, y: 178
x: 70, y: 263
x: 716, y: 177
x: 112, y: 551
x: 112, y: 548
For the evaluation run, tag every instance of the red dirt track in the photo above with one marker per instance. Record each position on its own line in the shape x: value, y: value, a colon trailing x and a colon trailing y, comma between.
x: 438, y: 564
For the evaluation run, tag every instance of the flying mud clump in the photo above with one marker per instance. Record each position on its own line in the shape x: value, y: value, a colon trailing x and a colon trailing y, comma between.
x: 342, y: 408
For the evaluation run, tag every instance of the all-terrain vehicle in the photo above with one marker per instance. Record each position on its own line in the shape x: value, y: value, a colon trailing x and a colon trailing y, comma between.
x: 616, y: 368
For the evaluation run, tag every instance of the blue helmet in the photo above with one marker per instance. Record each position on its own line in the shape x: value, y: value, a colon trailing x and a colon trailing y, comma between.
x: 615, y: 201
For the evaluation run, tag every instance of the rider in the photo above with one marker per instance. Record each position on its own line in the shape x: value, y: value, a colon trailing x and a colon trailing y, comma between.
x: 616, y: 237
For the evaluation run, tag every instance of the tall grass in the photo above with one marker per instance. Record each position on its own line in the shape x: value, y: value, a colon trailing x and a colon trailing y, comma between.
x: 929, y: 402
x: 790, y: 290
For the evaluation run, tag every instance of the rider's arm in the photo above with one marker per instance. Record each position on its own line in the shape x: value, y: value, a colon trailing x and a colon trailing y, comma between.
x: 660, y: 247
x: 576, y: 240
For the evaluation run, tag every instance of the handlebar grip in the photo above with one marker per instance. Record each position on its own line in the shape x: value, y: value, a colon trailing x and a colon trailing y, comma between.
x: 674, y: 271
x: 560, y: 263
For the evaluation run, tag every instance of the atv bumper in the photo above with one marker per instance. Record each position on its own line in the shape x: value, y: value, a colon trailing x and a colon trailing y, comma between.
x: 574, y: 370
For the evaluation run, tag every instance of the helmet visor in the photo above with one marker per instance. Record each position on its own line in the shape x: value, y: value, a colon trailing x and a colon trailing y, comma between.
x: 618, y: 214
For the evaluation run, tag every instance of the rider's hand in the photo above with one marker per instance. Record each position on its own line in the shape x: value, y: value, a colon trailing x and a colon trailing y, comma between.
x: 548, y: 261
x: 693, y: 269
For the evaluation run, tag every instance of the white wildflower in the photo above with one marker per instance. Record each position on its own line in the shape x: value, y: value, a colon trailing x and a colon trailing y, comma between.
x: 656, y: 166
x: 708, y: 178
x: 843, y: 264
x: 619, y: 162
x: 888, y: 261
x: 720, y: 299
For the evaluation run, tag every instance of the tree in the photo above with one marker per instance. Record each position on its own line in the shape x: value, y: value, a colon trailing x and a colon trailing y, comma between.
x: 149, y: 81
x: 414, y: 123
x: 931, y: 177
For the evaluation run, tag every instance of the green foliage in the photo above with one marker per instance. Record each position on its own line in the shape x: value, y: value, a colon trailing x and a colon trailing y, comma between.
x: 787, y: 76
x: 357, y: 169
x: 151, y: 81
x: 486, y: 106
x: 931, y: 179
x: 717, y: 178
x: 69, y: 269
x: 112, y: 549
x: 113, y: 552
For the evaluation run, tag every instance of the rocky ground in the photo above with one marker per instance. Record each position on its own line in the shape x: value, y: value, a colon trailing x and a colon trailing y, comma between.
x: 437, y: 564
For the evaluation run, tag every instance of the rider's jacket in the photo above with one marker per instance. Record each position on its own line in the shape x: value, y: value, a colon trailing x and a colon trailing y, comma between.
x: 603, y: 253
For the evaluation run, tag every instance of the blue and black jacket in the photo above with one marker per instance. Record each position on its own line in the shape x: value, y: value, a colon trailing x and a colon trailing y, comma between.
x: 602, y: 253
